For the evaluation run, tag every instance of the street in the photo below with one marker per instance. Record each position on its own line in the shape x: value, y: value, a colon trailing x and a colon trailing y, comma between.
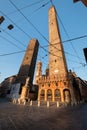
x: 25, y: 117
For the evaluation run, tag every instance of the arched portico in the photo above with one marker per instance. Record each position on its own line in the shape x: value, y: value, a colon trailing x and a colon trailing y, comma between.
x: 49, y: 95
x: 57, y: 95
x: 42, y: 94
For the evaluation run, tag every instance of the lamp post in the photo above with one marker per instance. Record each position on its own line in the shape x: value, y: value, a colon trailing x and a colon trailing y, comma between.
x: 10, y: 26
x: 1, y: 19
x: 85, y: 53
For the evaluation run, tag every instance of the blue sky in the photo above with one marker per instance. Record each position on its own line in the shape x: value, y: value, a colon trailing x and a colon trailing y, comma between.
x: 72, y: 20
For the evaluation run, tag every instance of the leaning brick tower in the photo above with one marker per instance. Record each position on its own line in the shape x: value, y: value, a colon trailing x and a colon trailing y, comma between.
x: 24, y: 79
x: 27, y: 67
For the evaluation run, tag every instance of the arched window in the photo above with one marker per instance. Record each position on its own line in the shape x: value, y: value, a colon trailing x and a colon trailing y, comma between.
x: 49, y: 95
x: 42, y: 94
x: 56, y: 84
x: 67, y: 97
x: 57, y: 95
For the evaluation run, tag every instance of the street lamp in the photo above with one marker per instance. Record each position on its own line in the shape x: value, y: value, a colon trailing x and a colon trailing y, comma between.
x: 85, y: 53
x: 10, y: 26
x: 1, y: 19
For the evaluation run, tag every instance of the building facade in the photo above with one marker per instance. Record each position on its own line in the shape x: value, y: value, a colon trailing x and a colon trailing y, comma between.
x: 5, y: 86
x: 22, y: 83
x: 57, y: 84
x: 83, y: 1
x: 54, y: 85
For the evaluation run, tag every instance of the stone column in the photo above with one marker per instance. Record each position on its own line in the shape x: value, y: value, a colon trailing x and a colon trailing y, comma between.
x: 45, y: 95
x: 53, y: 97
x: 24, y: 93
x: 39, y: 95
x: 38, y: 103
x: 62, y: 96
x: 25, y: 89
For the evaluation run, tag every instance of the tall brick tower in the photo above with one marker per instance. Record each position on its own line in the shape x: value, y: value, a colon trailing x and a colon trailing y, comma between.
x: 57, y: 84
x: 38, y: 71
x: 24, y: 79
x: 28, y: 64
x: 54, y: 85
x: 57, y: 62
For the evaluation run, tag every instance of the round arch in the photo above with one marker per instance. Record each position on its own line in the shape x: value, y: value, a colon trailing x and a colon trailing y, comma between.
x: 67, y: 96
x: 57, y: 95
x: 49, y: 95
x: 42, y: 94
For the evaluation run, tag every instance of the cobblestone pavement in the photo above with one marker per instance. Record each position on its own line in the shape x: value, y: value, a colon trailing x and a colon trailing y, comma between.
x: 25, y: 117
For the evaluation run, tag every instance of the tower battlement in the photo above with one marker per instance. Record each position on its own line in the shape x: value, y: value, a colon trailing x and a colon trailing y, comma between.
x: 54, y: 78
